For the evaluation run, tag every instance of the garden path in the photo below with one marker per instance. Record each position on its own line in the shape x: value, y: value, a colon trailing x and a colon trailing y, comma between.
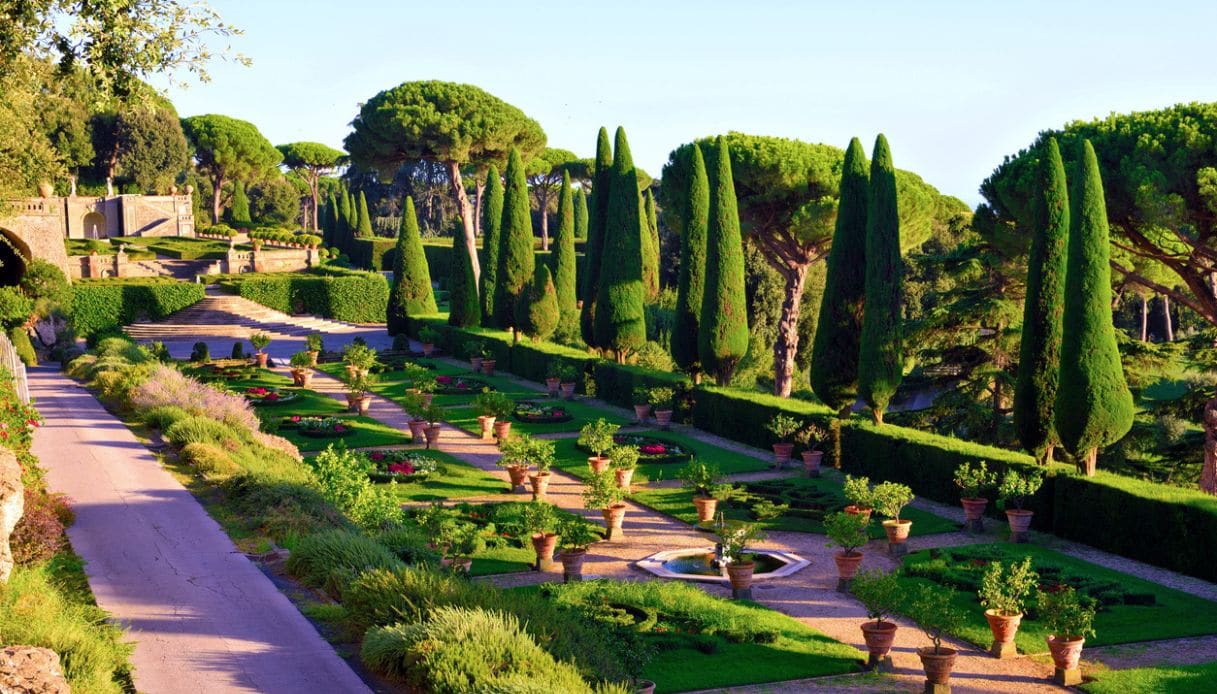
x: 203, y: 617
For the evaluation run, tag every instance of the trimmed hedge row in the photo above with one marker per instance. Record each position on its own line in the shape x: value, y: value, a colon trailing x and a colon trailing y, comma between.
x: 356, y: 297
x: 102, y: 306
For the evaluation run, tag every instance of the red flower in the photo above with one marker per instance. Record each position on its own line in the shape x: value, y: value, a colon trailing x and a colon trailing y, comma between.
x: 443, y: 379
x: 653, y: 449
x: 295, y: 418
x: 378, y: 456
x: 272, y: 397
x: 338, y: 428
x: 402, y: 468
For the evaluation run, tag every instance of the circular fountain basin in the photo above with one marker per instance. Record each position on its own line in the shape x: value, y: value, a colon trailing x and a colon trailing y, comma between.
x: 697, y: 564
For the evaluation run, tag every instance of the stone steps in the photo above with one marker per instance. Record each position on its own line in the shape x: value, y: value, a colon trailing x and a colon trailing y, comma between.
x: 222, y: 315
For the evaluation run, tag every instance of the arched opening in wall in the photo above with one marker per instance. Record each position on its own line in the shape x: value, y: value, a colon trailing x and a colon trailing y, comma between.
x: 94, y: 225
x: 14, y: 255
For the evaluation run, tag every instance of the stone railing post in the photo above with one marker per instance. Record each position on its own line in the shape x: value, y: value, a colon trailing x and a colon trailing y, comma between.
x: 120, y: 263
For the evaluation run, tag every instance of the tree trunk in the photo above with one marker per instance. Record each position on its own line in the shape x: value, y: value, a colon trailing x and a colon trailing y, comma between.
x: 312, y: 184
x: 1166, y: 316
x: 1048, y: 452
x: 479, y: 188
x: 466, y: 212
x: 216, y: 191
x: 1089, y: 462
x: 787, y: 344
x: 1144, y: 318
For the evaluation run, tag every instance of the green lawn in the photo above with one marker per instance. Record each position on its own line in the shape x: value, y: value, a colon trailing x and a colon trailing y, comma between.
x: 581, y: 413
x: 502, y: 560
x: 1173, y: 614
x: 810, y: 501
x: 570, y: 458
x: 454, y: 479
x: 306, y: 402
x: 1178, y: 679
x: 366, y: 433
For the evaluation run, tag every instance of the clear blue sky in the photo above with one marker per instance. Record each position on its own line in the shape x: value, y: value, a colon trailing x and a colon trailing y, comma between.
x: 954, y: 85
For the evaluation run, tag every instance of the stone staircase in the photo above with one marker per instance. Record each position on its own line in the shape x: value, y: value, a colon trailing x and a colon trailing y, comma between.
x: 185, y: 270
x: 225, y: 316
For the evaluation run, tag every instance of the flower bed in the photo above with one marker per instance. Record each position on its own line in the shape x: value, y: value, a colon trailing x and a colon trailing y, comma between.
x: 398, y: 466
x: 268, y: 395
x: 323, y: 427
x: 652, y: 450
x: 232, y: 371
x: 532, y: 412
x: 460, y: 385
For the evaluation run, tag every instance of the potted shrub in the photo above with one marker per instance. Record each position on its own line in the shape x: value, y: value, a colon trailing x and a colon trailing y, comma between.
x: 476, y: 350
x: 783, y: 427
x: 642, y: 408
x: 601, y: 492
x: 433, y: 414
x: 566, y: 375
x: 857, y: 491
x: 933, y: 610
x: 1069, y: 622
x: 889, y: 499
x: 358, y: 387
x: 542, y: 456
x: 428, y: 336
x: 302, y: 371
x: 492, y: 406
x: 358, y: 358
x: 810, y: 437
x: 463, y: 540
x: 597, y: 436
x: 516, y: 457
x: 1014, y: 491
x: 734, y: 537
x: 847, y: 531
x: 553, y: 382
x: 315, y: 347
x: 539, y: 522
x: 879, y: 593
x: 575, y: 535
x: 260, y: 341
x: 972, y: 482
x: 704, y: 480
x: 424, y: 386
x: 660, y: 398
x: 624, y: 460
x: 1003, y: 591
x: 413, y: 405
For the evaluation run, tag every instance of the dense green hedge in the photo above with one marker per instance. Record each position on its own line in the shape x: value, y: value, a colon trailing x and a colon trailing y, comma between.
x: 100, y: 306
x: 357, y: 297
x: 745, y: 414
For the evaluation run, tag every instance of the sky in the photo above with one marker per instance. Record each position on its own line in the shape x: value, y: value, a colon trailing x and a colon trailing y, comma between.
x: 955, y: 86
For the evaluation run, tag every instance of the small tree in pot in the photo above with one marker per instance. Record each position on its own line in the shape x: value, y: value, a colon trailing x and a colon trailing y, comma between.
x: 601, y: 492
x: 933, y: 610
x: 575, y: 535
x: 542, y: 455
x: 359, y: 387
x: 428, y: 336
x: 540, y: 521
x: 433, y: 414
x: 660, y: 399
x: 972, y: 481
x: 889, y: 499
x: 302, y: 371
x: 1069, y: 622
x: 412, y: 403
x: 810, y: 437
x: 476, y: 351
x: 734, y: 538
x: 315, y: 347
x: 879, y: 593
x: 623, y: 460
x: 566, y: 375
x: 598, y: 436
x: 847, y: 531
x: 462, y: 541
x: 516, y: 457
x: 642, y: 408
x: 705, y: 480
x: 1014, y: 491
x: 491, y: 406
x: 260, y: 341
x: 358, y: 357
x: 857, y: 491
x: 783, y: 427
x: 1004, y: 590
x: 553, y: 382
x: 424, y: 385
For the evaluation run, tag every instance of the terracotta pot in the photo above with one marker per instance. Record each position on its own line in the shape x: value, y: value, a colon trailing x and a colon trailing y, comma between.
x: 938, y: 665
x: 1020, y: 523
x: 663, y: 418
x: 475, y: 364
x: 551, y: 386
x: 811, y: 462
x: 624, y: 477
x: 461, y: 565
x: 859, y: 510
x: 1004, y: 627
x: 540, y: 484
x: 427, y: 397
x: 567, y: 390
x: 262, y: 357
x: 428, y: 348
x: 543, y: 545
x: 306, y: 379
x: 417, y: 427
x: 502, y: 429
x: 298, y: 377
x: 613, y: 515
x: 488, y: 367
x: 974, y: 513
x: 352, y: 403
x: 487, y: 424
x: 641, y: 412
x: 878, y: 637
x: 847, y: 564
x: 706, y: 506
x: 781, y: 453
x: 740, y: 574
x: 517, y: 474
x: 432, y: 434
x: 312, y: 356
x: 572, y: 562
x: 598, y: 463
x: 897, y: 531
x: 645, y: 687
x: 363, y: 404
x: 1065, y: 652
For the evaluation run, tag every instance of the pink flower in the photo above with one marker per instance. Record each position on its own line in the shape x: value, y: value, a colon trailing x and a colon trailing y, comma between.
x: 402, y: 468
x: 653, y: 449
x: 338, y: 428
x: 443, y: 379
x: 295, y: 418
x: 378, y: 456
x: 272, y: 397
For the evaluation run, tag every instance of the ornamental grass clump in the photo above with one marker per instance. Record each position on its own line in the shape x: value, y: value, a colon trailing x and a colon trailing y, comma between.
x: 331, y: 560
x: 167, y: 386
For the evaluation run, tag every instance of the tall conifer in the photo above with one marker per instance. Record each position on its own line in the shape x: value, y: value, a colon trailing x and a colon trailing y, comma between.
x: 363, y: 229
x: 463, y: 308
x: 516, y: 260
x: 650, y: 245
x: 620, y: 320
x: 240, y: 204
x: 564, y: 263
x: 539, y: 311
x: 881, y: 356
x: 691, y: 282
x: 411, y: 293
x: 580, y: 216
x: 492, y: 219
x: 723, y: 336
x: 593, y: 251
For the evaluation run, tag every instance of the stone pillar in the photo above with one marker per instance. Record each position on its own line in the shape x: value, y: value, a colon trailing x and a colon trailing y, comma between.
x: 1208, y: 473
x: 12, y: 506
x: 310, y: 258
x: 93, y: 266
x: 120, y: 263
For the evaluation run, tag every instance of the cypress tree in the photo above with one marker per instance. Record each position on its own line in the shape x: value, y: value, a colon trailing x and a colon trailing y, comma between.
x: 723, y: 338
x: 540, y: 310
x: 463, y: 308
x: 580, y: 215
x: 363, y: 229
x: 650, y: 245
x: 1039, y: 363
x: 834, y: 355
x: 341, y: 216
x: 327, y: 220
x: 239, y: 214
x: 492, y: 218
x: 411, y: 293
x: 352, y: 212
x: 564, y: 263
x: 593, y: 250
x: 516, y: 263
x: 690, y: 283
x: 620, y: 320
x: 1094, y: 407
x: 880, y: 354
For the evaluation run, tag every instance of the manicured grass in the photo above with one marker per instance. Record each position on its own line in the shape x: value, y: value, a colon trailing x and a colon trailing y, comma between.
x: 366, y: 433
x: 1174, y: 614
x: 466, y: 418
x: 570, y: 458
x: 453, y: 479
x: 820, y: 495
x: 306, y: 402
x: 502, y: 560
x: 1177, y: 679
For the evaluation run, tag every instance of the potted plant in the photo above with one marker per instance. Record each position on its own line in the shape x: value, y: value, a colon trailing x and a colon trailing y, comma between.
x: 476, y: 350
x: 642, y: 408
x: 515, y: 456
x: 315, y: 347
x: 1069, y: 622
x: 433, y: 414
x: 539, y: 522
x: 566, y: 375
x: 624, y: 460
x: 857, y: 491
x: 734, y: 537
x: 413, y: 405
x: 847, y: 531
x: 491, y: 406
x: 428, y: 336
x: 575, y: 535
x: 933, y: 610
x: 424, y: 386
x: 879, y: 593
x: 601, y: 492
x: 783, y: 427
x: 704, y: 480
x: 972, y: 481
x: 260, y: 342
x: 660, y: 398
x: 889, y: 499
x: 359, y: 397
x: 302, y: 372
x: 1014, y: 491
x: 358, y: 358
x: 1003, y: 591
x: 810, y: 437
x: 553, y: 382
x: 463, y: 540
x: 597, y: 436
x: 542, y: 456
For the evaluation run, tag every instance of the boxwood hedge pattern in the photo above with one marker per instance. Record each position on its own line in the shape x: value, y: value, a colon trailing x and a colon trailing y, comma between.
x: 104, y: 306
x: 355, y: 297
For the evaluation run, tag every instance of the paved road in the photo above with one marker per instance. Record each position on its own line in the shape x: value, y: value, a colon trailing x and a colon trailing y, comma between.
x: 203, y: 617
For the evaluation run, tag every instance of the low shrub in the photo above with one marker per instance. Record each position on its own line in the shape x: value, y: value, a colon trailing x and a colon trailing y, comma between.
x: 39, y: 533
x: 23, y: 347
x: 410, y: 544
x: 169, y: 387
x: 197, y: 429
x: 209, y: 459
x: 163, y: 416
x: 331, y: 560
